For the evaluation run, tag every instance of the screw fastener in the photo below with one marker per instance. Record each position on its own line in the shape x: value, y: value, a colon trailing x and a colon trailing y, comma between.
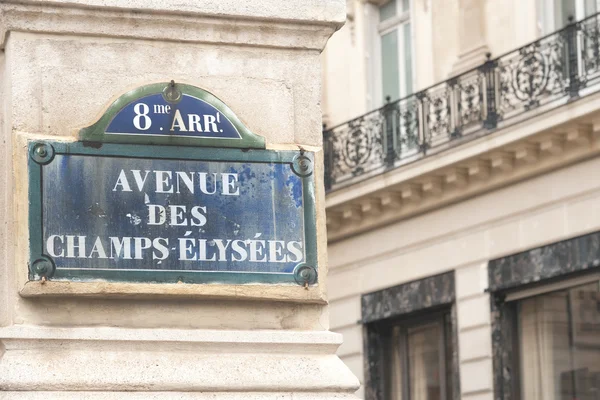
x: 305, y: 275
x: 42, y: 153
x: 43, y: 268
x: 302, y: 165
x: 171, y: 93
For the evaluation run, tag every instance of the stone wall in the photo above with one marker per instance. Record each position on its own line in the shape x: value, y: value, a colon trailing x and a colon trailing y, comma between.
x: 61, y: 64
x: 463, y: 238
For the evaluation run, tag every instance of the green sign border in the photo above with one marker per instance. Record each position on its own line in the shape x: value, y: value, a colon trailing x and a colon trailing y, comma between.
x: 42, y: 267
x: 96, y: 132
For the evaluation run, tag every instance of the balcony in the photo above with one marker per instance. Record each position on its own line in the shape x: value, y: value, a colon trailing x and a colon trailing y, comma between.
x: 536, y: 78
x: 527, y: 112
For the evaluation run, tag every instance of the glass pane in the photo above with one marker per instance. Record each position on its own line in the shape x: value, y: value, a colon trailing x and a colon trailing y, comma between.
x: 590, y: 7
x: 405, y: 5
x: 563, y: 10
x: 390, y: 77
x: 388, y: 10
x: 424, y: 355
x: 407, y: 59
x: 560, y: 342
x: 394, y: 366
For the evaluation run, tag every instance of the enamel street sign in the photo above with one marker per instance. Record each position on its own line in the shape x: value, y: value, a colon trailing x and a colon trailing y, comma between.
x: 169, y: 186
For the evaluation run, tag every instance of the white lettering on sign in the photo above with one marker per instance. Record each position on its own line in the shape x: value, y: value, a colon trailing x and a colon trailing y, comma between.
x: 186, y: 248
x: 164, y: 182
x: 162, y: 109
x: 195, y: 124
x: 141, y: 120
x: 190, y: 249
x: 261, y: 251
x: 206, y: 123
x: 126, y: 248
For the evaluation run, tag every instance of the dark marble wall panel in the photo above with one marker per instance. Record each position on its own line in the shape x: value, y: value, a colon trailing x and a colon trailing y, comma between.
x: 545, y: 262
x: 504, y: 349
x: 373, y: 361
x: 536, y: 266
x: 455, y: 362
x: 399, y: 301
x: 408, y: 297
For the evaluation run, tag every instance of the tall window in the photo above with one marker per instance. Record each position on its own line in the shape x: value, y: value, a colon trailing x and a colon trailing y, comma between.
x: 559, y: 344
x: 418, y: 359
x: 396, y: 49
x: 554, y: 14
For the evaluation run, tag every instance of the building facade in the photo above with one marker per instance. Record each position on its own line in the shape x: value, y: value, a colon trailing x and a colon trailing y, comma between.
x: 462, y: 145
x: 71, y: 68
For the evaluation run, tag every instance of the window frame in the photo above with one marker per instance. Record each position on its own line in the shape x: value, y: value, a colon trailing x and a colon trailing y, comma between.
x: 548, y: 13
x: 545, y: 288
x: 512, y: 303
x: 440, y: 317
x: 532, y: 272
x: 378, y: 29
x: 380, y: 310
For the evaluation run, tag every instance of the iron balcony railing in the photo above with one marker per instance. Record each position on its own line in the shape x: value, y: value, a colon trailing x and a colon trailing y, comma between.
x: 537, y: 77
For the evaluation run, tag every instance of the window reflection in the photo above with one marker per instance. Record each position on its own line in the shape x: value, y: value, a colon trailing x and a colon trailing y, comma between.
x: 424, y: 362
x: 419, y: 363
x: 560, y: 345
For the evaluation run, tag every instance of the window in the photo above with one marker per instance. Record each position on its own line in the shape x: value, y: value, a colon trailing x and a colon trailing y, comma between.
x: 559, y: 342
x: 555, y: 331
x: 554, y: 14
x: 410, y: 346
x: 418, y: 359
x: 545, y: 314
x: 395, y: 45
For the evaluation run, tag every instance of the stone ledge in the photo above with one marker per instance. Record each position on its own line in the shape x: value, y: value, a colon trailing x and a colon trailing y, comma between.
x: 69, y: 18
x: 174, y: 395
x: 285, y: 293
x: 45, y: 359
x: 255, y: 337
x: 323, y: 11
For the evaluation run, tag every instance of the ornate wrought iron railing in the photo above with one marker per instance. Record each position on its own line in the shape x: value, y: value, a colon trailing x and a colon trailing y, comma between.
x: 537, y: 77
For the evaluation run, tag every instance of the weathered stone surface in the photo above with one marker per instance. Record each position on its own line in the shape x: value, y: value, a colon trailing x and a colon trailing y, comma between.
x: 113, y: 359
x: 62, y: 63
x: 176, y: 396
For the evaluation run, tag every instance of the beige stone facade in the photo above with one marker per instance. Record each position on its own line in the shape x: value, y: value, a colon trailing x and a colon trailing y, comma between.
x: 61, y: 64
x: 441, y: 34
x: 455, y: 209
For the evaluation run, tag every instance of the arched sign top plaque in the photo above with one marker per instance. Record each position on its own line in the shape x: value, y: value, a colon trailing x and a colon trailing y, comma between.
x: 168, y: 186
x: 171, y: 114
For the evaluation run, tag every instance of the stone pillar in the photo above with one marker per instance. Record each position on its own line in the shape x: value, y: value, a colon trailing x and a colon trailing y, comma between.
x: 62, y: 62
x: 472, y: 36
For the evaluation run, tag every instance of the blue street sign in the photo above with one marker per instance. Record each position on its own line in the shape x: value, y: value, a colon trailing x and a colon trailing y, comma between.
x: 190, y: 117
x: 134, y: 210
x: 172, y: 114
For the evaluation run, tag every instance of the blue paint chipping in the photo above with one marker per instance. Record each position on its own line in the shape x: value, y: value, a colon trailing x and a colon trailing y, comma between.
x: 104, y: 197
x: 295, y: 186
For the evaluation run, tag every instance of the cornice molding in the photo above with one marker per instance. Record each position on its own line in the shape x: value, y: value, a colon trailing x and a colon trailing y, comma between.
x: 458, y: 174
x: 146, y: 23
x: 302, y: 11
